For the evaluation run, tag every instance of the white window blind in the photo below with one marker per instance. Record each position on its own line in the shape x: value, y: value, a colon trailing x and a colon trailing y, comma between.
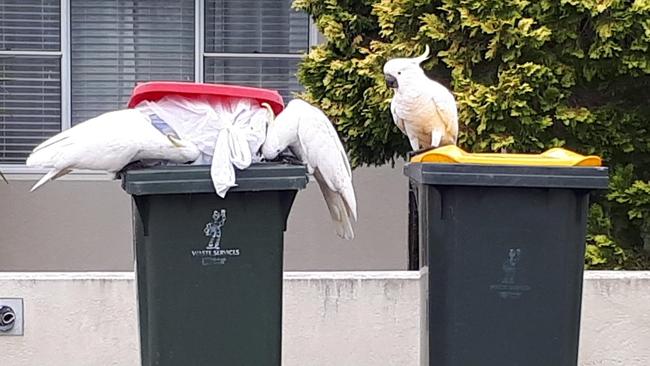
x: 118, y: 43
x: 110, y: 45
x: 30, y: 76
x: 254, y: 42
x: 272, y: 73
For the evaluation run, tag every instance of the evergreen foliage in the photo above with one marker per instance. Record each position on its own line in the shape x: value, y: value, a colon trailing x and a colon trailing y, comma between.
x: 527, y: 76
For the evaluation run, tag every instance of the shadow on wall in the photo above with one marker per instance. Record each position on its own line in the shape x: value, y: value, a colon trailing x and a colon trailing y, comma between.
x: 73, y: 225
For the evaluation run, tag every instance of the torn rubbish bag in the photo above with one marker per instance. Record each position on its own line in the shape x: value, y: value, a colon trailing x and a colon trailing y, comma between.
x: 228, y: 131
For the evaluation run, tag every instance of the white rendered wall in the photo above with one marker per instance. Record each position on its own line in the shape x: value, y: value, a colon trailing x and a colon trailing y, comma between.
x: 616, y: 319
x: 330, y: 318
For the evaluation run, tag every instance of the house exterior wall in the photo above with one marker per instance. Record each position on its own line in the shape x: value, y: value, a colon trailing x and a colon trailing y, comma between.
x: 85, y: 225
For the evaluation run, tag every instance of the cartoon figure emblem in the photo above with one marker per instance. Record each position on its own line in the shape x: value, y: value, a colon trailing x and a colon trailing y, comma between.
x: 213, y: 229
x: 510, y: 266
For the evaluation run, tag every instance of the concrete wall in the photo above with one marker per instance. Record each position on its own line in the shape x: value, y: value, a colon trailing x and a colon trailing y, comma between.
x: 72, y: 320
x: 616, y: 319
x: 343, y: 319
x: 84, y: 224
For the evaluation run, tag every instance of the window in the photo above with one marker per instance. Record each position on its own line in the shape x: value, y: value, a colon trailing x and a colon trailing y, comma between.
x: 115, y: 44
x: 254, y: 42
x: 65, y: 61
x: 30, y: 75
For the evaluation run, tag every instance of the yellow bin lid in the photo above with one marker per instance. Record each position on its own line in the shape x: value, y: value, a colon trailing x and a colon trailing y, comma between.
x: 551, y: 157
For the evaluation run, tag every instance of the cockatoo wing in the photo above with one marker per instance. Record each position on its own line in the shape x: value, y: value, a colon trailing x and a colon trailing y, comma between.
x: 448, y: 115
x: 51, y: 175
x: 100, y: 143
x: 403, y: 126
x: 324, y: 153
x: 107, y: 143
x: 338, y: 209
x: 399, y: 121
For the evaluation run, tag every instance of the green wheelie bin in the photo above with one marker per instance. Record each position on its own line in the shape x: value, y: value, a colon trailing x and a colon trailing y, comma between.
x: 209, y: 270
x: 502, y: 241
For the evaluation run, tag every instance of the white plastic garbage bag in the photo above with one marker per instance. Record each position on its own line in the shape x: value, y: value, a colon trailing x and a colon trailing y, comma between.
x: 227, y: 131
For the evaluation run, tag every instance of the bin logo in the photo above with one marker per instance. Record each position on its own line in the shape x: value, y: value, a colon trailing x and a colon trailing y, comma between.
x: 213, y: 229
x: 508, y: 288
x: 213, y: 253
x: 510, y: 266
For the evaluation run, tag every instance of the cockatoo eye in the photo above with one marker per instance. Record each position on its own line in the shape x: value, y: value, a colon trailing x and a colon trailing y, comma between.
x: 399, y: 73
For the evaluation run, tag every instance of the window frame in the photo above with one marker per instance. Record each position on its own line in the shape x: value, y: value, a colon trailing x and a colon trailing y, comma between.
x: 17, y: 171
x: 22, y: 172
x: 312, y: 39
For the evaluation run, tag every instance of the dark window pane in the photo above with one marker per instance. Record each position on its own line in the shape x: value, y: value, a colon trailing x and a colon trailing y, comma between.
x: 30, y: 104
x: 278, y: 74
x: 116, y: 44
x: 255, y: 26
x: 30, y: 25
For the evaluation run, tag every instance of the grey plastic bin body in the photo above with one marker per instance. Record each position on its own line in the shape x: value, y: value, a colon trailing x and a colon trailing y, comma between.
x: 503, y: 247
x: 209, y: 270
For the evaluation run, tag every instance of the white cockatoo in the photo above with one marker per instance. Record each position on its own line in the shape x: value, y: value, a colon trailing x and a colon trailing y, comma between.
x: 423, y: 109
x: 108, y: 143
x: 310, y: 136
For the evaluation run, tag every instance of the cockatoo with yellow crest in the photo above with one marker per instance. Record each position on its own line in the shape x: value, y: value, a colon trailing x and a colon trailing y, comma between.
x: 108, y: 143
x: 310, y: 136
x: 423, y: 109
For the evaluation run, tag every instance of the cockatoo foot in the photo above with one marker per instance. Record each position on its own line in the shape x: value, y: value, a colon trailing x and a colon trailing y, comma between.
x: 288, y: 159
x: 411, y: 154
x: 130, y: 166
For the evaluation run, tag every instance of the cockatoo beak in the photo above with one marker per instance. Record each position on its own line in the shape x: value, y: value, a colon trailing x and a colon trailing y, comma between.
x: 176, y: 142
x: 271, y: 113
x: 423, y: 56
x: 391, y: 81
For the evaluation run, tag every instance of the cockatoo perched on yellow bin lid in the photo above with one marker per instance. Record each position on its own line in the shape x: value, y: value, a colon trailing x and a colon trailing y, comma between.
x: 423, y: 109
x: 108, y: 143
x: 310, y: 136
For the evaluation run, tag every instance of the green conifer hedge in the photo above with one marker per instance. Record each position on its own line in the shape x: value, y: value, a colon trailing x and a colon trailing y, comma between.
x: 527, y: 75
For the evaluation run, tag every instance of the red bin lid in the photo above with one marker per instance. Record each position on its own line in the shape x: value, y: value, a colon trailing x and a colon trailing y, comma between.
x: 155, y: 90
